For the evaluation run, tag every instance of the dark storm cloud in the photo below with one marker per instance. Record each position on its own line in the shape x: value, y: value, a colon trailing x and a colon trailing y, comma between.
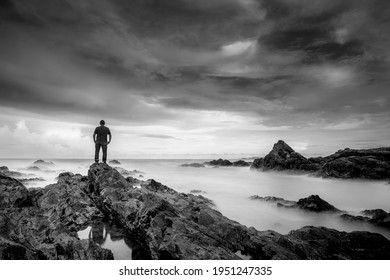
x: 138, y: 60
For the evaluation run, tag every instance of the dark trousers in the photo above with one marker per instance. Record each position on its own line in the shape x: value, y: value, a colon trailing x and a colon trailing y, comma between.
x: 97, y: 150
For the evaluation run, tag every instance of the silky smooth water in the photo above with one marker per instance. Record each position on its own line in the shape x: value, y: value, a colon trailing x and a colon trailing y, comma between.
x: 231, y: 187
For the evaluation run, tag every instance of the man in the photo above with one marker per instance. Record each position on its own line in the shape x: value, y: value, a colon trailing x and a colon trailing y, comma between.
x: 101, y: 140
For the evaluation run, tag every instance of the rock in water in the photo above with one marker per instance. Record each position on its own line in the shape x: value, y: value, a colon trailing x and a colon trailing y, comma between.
x: 283, y: 157
x: 114, y: 161
x: 316, y: 204
x: 220, y: 162
x: 241, y: 163
x: 43, y: 162
x: 349, y: 163
x: 344, y: 164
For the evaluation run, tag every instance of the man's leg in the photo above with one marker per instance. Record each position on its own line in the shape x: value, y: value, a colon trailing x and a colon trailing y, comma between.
x: 97, y: 149
x: 104, y: 147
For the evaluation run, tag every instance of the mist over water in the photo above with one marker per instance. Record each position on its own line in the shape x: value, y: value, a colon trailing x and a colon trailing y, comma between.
x: 231, y: 187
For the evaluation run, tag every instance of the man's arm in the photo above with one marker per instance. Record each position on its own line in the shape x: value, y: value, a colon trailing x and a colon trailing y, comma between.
x: 109, y: 136
x: 94, y: 136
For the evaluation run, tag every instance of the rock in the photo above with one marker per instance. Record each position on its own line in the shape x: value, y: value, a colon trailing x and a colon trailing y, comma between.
x: 3, y: 169
x: 344, y: 164
x: 220, y: 162
x: 366, y: 164
x: 273, y: 199
x: 197, y: 165
x: 14, y: 174
x: 283, y: 157
x: 41, y: 162
x: 114, y: 161
x: 42, y: 223
x: 33, y: 168
x: 352, y: 218
x: 12, y: 193
x: 315, y: 204
x: 173, y: 225
x: 373, y: 212
x: 329, y: 244
x: 312, y: 203
x: 241, y: 163
x: 31, y: 180
x: 197, y: 191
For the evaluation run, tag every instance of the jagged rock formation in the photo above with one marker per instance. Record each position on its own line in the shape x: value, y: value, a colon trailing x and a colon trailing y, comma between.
x: 283, y: 157
x: 349, y: 163
x: 184, y: 226
x: 43, y: 224
x: 345, y: 164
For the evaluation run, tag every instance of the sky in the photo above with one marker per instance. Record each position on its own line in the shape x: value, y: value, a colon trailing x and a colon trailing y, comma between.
x: 193, y: 79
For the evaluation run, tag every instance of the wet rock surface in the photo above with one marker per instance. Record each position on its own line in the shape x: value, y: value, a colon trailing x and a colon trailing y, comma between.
x: 43, y: 224
x: 344, y: 164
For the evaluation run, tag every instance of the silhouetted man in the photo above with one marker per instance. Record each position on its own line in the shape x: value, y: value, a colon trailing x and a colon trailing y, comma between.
x: 101, y: 140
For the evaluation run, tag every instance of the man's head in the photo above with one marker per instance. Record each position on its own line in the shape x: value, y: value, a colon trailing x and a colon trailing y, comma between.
x: 102, y: 122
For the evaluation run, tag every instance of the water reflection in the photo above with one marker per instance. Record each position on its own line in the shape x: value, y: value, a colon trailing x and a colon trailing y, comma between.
x: 111, y: 236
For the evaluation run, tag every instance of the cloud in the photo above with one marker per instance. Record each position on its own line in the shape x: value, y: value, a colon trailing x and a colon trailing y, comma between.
x: 179, y: 65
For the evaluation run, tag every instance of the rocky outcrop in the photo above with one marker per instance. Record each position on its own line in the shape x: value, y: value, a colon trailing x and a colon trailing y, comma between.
x: 114, y: 161
x: 377, y: 217
x: 220, y: 162
x: 344, y: 164
x: 14, y: 174
x: 43, y: 223
x: 312, y: 203
x: 241, y: 163
x: 366, y: 164
x: 225, y: 162
x: 184, y: 226
x: 283, y: 157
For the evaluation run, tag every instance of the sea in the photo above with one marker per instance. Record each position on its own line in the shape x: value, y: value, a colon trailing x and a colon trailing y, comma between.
x: 230, y: 188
